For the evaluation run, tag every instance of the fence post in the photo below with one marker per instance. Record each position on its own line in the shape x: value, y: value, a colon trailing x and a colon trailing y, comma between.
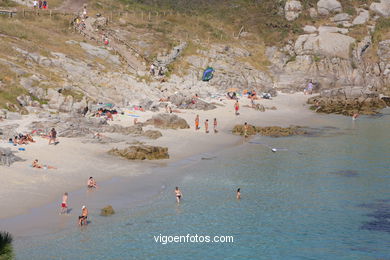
x: 149, y: 15
x: 50, y: 14
x: 142, y: 15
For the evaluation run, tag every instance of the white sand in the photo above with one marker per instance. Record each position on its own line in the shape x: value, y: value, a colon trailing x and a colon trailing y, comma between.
x: 23, y: 187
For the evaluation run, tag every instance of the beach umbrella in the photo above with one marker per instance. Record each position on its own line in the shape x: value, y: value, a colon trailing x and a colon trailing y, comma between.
x: 232, y: 90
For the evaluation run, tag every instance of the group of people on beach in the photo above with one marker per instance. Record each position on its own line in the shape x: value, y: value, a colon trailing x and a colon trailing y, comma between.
x: 206, y: 125
x: 40, y: 4
x: 22, y: 139
x: 82, y: 219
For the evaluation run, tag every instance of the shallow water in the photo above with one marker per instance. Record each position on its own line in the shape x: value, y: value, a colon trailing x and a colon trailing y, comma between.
x: 323, y: 197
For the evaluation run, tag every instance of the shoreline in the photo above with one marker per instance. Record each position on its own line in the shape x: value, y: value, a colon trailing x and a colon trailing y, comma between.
x: 182, y: 144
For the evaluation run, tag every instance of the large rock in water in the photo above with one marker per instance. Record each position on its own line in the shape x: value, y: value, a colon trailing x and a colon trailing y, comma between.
x: 141, y: 152
x: 168, y: 121
x: 325, y: 7
x: 272, y: 131
x: 347, y: 102
x: 107, y: 211
x: 382, y: 8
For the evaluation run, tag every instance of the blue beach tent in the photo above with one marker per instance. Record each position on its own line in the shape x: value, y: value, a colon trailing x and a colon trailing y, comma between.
x: 208, y: 74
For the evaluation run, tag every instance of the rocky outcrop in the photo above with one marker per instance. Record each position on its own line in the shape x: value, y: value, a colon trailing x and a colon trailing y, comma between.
x: 107, y: 211
x: 382, y: 8
x: 362, y: 17
x: 326, y: 7
x: 7, y: 157
x: 386, y: 100
x: 292, y: 9
x: 347, y: 101
x: 164, y: 59
x: 188, y: 102
x: 272, y: 131
x: 167, y: 121
x: 326, y: 43
x: 152, y: 134
x: 80, y: 126
x: 141, y: 152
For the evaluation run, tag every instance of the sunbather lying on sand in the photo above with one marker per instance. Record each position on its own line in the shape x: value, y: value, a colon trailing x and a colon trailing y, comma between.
x: 35, y: 164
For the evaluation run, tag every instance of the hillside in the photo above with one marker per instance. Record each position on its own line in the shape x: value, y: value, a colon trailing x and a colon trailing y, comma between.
x: 50, y: 62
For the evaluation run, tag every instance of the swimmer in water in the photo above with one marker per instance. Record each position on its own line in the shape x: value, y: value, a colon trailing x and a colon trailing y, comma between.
x: 178, y: 195
x: 239, y: 193
x: 355, y: 116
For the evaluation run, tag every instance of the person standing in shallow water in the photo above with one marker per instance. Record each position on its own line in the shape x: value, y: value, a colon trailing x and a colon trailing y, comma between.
x: 178, y: 195
x: 237, y: 108
x: 64, y: 204
x: 206, y: 126
x: 238, y: 193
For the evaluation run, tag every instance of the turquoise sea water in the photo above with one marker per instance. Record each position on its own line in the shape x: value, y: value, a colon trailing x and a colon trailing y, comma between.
x: 320, y: 197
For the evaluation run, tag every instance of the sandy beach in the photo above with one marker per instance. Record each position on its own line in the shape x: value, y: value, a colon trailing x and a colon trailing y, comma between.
x: 24, y: 188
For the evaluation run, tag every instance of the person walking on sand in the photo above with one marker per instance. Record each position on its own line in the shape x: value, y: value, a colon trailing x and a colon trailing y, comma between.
x: 246, y: 127
x: 238, y: 193
x: 84, y: 216
x: 64, y: 204
x: 215, y: 126
x: 197, y: 122
x: 236, y: 107
x: 53, y: 136
x: 178, y: 195
x: 35, y: 4
x: 206, y: 126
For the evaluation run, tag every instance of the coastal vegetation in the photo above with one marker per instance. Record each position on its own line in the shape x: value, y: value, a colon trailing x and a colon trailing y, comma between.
x: 6, y: 251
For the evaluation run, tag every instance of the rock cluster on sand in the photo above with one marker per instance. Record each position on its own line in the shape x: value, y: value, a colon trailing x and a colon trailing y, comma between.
x: 152, y: 134
x: 188, y: 102
x: 7, y: 157
x: 141, y: 152
x: 347, y: 102
x: 81, y: 126
x: 107, y: 211
x: 167, y: 121
x: 272, y: 131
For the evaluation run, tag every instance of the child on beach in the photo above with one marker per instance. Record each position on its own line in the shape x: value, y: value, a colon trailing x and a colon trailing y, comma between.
x: 197, y: 122
x: 206, y: 126
x: 64, y: 204
x: 178, y: 194
x: 236, y: 108
x: 215, y: 126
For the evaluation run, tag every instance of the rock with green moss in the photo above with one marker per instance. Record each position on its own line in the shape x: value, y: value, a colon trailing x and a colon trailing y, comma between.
x: 107, y: 211
x: 141, y: 152
x: 272, y: 131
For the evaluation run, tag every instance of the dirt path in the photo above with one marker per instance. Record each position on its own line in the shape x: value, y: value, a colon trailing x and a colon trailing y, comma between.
x: 72, y: 5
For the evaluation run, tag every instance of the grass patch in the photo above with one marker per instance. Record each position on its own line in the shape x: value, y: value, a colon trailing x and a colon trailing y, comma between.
x: 77, y: 95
